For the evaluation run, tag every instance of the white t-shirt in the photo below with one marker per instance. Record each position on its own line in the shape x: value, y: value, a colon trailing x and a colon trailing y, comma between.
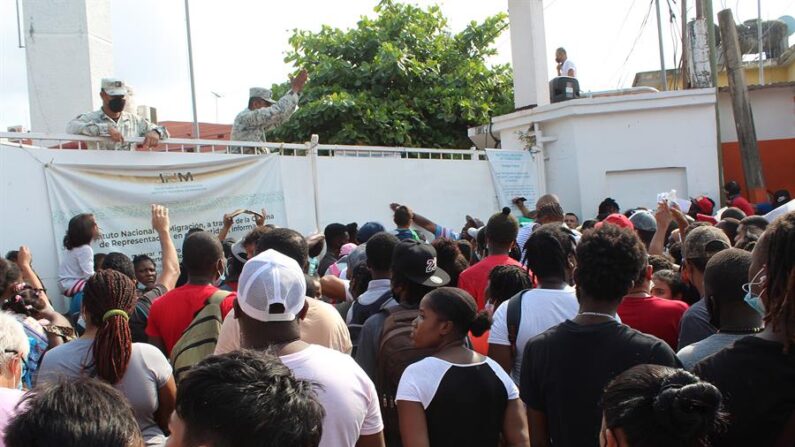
x: 345, y: 391
x: 420, y: 381
x: 568, y: 65
x: 77, y: 264
x: 541, y: 310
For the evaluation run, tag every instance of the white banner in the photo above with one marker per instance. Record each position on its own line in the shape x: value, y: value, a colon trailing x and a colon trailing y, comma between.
x: 514, y: 175
x: 197, y: 195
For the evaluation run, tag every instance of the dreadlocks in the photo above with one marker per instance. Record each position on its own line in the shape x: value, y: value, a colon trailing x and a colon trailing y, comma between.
x: 105, y: 292
x: 781, y: 277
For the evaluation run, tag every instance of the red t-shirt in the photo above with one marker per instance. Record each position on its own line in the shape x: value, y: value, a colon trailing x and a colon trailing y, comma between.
x: 475, y: 278
x: 172, y: 313
x: 653, y: 315
x: 743, y: 204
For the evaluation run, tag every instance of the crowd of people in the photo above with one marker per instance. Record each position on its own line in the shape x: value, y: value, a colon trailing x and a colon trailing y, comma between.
x: 640, y: 327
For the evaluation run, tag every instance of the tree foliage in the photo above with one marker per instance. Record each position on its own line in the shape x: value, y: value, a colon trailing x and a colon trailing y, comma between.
x: 398, y: 79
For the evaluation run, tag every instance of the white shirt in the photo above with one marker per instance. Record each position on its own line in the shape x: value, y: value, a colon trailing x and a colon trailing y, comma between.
x: 77, y: 264
x: 421, y: 380
x: 344, y: 390
x: 568, y: 65
x: 541, y: 310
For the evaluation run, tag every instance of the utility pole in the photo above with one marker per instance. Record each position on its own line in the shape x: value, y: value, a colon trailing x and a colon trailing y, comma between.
x: 663, y: 77
x: 743, y: 117
x: 706, y: 9
x: 759, y: 38
x: 685, y: 45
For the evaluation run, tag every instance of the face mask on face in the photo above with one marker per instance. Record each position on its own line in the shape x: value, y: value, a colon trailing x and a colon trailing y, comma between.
x: 753, y: 299
x: 117, y: 104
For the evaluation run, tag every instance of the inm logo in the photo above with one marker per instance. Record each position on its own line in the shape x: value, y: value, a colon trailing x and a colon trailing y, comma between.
x: 176, y: 177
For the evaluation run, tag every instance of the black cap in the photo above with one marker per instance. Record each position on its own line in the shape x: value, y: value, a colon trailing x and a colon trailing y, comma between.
x: 732, y: 187
x: 417, y: 262
x: 781, y: 197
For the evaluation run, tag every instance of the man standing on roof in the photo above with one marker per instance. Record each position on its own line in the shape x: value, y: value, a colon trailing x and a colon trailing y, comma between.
x: 565, y: 66
x: 264, y: 114
x: 112, y: 121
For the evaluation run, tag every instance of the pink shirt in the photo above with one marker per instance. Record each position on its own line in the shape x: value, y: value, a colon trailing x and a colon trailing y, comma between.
x: 9, y: 398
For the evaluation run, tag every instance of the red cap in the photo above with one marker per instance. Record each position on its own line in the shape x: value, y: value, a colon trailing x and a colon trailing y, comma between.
x: 704, y: 204
x: 618, y: 220
x: 706, y: 218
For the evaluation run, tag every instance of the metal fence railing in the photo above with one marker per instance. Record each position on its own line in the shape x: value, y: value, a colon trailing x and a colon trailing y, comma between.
x: 80, y: 142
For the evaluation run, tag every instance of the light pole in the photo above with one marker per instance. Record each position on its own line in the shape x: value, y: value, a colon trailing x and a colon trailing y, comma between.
x: 217, y: 96
x: 192, y: 83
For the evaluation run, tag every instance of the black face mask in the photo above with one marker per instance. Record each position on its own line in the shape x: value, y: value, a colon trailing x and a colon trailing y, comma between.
x: 117, y: 104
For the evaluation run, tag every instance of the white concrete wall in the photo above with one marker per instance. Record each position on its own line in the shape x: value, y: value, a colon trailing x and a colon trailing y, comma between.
x: 773, y: 109
x: 68, y: 47
x: 528, y: 52
x: 629, y: 148
x: 351, y: 190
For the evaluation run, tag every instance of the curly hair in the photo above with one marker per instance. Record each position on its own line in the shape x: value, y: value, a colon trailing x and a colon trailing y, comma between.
x: 450, y: 259
x: 609, y: 259
x: 107, y: 291
x: 780, y: 243
x: 547, y: 250
x: 506, y: 281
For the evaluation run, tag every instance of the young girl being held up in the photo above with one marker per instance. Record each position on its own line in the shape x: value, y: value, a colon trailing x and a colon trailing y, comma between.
x: 77, y: 264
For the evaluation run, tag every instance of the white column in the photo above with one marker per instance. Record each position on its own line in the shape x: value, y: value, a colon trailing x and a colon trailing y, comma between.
x: 529, y: 54
x: 69, y: 49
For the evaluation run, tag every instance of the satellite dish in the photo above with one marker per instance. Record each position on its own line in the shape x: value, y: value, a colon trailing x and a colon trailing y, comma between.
x: 790, y: 24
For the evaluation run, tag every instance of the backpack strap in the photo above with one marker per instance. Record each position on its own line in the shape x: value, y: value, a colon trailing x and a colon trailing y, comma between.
x: 218, y: 297
x: 513, y: 318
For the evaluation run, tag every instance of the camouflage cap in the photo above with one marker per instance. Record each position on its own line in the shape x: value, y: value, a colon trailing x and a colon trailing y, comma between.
x: 261, y: 93
x: 114, y: 87
x: 704, y: 241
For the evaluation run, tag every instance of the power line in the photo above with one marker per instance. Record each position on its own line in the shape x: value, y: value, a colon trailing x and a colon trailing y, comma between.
x: 635, y: 43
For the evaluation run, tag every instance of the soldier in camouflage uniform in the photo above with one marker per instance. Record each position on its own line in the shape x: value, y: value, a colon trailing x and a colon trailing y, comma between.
x: 112, y: 121
x: 264, y: 114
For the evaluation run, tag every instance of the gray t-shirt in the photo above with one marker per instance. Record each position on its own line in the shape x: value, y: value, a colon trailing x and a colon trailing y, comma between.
x: 695, y: 325
x: 147, y: 372
x: 692, y: 354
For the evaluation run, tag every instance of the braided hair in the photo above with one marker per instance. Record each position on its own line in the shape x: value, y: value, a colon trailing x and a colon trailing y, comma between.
x: 548, y: 249
x: 780, y: 284
x: 108, y: 290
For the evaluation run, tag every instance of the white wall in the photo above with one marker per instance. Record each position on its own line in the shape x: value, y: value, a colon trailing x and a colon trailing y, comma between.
x: 773, y: 109
x: 351, y: 190
x: 628, y: 147
x: 73, y: 39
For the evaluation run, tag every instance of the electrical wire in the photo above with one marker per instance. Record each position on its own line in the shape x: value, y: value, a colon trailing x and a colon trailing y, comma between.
x: 634, y: 44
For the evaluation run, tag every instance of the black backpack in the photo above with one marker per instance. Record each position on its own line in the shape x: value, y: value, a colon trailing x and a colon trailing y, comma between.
x: 360, y: 313
x: 513, y: 318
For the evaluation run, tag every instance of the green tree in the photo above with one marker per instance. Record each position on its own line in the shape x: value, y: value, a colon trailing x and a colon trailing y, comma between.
x: 399, y: 79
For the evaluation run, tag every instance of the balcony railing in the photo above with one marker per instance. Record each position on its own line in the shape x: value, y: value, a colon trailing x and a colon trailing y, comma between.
x: 80, y: 142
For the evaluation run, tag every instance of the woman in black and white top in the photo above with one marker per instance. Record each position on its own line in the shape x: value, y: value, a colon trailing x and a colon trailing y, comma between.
x: 456, y: 397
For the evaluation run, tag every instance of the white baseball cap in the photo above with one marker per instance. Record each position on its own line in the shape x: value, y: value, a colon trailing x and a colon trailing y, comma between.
x: 271, y: 278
